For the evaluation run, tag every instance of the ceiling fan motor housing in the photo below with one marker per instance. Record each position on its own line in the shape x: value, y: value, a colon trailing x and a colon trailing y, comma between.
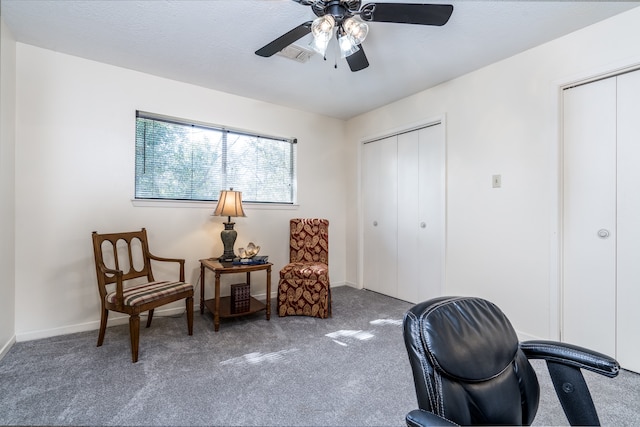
x: 339, y: 9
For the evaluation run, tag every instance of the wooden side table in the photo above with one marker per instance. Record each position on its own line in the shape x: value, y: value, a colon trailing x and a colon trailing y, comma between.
x: 221, y: 307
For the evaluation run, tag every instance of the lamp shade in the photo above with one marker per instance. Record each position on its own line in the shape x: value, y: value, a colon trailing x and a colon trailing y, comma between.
x: 229, y: 204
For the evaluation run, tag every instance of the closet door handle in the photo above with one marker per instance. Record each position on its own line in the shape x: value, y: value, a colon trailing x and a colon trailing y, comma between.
x: 423, y: 224
x: 603, y: 233
x: 375, y: 223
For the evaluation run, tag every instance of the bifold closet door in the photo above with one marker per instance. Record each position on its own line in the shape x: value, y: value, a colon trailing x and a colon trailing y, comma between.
x: 589, y: 216
x: 421, y: 160
x: 601, y: 218
x: 628, y: 211
x: 403, y: 185
x: 380, y: 218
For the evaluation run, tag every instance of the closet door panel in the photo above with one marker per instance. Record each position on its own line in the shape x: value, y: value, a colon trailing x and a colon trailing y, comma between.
x: 410, y: 264
x: 431, y: 225
x: 388, y: 222
x: 628, y: 283
x: 421, y: 162
x: 379, y: 192
x: 370, y: 201
x: 589, y: 216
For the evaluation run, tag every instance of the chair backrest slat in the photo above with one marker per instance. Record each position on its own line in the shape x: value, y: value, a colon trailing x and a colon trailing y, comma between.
x: 126, y: 245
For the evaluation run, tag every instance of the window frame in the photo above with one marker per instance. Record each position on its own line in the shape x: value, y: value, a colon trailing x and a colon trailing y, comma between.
x: 194, y: 202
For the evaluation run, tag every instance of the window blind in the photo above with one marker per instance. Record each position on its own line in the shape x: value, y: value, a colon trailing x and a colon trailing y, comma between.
x: 181, y: 160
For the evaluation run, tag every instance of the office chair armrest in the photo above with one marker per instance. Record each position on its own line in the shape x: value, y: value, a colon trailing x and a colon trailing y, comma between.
x: 422, y: 418
x: 565, y: 362
x: 571, y: 355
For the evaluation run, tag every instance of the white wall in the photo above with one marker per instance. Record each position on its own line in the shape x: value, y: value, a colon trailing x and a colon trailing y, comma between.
x: 503, y: 119
x: 75, y: 174
x: 7, y: 200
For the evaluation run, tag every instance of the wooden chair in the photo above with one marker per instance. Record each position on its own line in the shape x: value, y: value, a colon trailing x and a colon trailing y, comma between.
x: 304, y: 288
x: 127, y: 256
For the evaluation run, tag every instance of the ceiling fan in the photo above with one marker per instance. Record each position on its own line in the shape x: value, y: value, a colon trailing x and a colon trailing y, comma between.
x: 346, y: 18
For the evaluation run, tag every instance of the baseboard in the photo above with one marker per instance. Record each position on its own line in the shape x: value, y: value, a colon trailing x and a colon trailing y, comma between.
x: 274, y: 291
x: 115, y: 320
x: 352, y: 285
x: 93, y: 325
x: 7, y: 346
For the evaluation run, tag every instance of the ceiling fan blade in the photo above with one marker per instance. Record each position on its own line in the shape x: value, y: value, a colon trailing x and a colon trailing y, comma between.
x: 284, y: 40
x: 407, y: 13
x: 358, y: 61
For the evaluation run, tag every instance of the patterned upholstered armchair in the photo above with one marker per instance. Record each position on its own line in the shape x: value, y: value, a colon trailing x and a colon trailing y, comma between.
x: 304, y: 283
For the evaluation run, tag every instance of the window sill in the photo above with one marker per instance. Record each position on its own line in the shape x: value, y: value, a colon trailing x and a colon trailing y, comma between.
x: 145, y: 203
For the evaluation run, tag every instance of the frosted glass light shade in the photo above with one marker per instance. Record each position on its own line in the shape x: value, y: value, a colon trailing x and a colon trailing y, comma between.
x: 348, y: 46
x: 319, y: 44
x: 322, y: 27
x: 356, y: 29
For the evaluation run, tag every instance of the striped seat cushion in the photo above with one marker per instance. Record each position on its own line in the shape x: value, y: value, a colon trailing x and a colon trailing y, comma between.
x: 140, y: 294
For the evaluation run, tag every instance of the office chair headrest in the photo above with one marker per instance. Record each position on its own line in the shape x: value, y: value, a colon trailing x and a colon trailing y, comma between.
x: 475, y: 327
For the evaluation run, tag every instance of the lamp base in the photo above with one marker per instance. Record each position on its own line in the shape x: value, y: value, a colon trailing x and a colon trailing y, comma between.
x: 228, y: 236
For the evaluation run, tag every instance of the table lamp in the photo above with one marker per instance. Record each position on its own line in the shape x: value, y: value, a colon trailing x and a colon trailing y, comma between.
x: 229, y: 204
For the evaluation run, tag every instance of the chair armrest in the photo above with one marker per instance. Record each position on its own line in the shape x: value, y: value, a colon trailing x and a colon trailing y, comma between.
x: 571, y: 355
x: 106, y: 270
x: 159, y: 258
x: 565, y: 362
x: 118, y: 275
x: 420, y: 418
x: 163, y: 259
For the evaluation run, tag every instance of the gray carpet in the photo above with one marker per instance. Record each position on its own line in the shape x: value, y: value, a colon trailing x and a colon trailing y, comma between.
x: 350, y: 370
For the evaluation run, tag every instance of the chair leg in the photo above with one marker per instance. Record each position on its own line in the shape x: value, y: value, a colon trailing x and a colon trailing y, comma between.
x: 134, y: 331
x: 103, y: 326
x: 189, y: 303
x: 149, y: 317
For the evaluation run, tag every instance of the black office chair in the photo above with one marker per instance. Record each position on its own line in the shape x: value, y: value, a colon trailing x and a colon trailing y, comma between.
x: 469, y: 368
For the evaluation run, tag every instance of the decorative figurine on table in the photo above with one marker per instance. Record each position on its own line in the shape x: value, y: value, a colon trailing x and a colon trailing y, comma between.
x: 248, y: 255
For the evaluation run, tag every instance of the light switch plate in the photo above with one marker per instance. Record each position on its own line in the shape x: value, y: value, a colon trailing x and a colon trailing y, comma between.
x: 496, y: 181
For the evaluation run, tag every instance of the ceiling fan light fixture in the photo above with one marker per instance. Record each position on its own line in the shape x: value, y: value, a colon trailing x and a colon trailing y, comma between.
x: 322, y: 27
x: 348, y: 19
x: 356, y: 29
x: 319, y: 44
x: 348, y: 45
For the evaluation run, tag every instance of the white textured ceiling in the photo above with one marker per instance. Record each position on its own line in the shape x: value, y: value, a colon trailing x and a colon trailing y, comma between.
x: 212, y: 44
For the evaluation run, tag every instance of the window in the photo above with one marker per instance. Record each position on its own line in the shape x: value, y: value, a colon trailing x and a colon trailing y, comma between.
x: 181, y: 160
